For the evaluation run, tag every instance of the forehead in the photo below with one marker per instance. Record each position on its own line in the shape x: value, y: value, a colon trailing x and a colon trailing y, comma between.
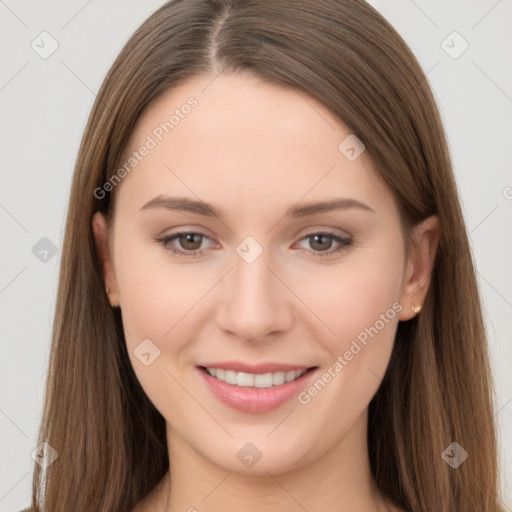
x: 239, y: 138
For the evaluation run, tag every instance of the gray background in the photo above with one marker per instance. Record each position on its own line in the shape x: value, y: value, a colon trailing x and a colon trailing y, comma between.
x: 45, y: 103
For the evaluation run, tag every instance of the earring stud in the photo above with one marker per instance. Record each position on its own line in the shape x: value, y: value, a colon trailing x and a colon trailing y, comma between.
x: 416, y: 309
x: 108, y: 297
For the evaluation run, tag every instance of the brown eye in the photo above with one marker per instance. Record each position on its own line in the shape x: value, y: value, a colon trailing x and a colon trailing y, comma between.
x: 321, y: 243
x: 190, y: 241
x: 186, y: 243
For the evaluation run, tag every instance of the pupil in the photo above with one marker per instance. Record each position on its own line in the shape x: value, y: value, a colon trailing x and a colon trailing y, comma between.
x: 189, y: 239
x: 319, y: 237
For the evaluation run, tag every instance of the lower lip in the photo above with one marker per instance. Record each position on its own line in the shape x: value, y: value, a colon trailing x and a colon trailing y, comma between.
x: 255, y: 400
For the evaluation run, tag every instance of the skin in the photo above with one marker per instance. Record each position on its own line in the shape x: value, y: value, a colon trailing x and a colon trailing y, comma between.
x: 253, y: 149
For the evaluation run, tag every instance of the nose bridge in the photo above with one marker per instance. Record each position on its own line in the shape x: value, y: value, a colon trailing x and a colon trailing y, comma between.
x: 254, y: 302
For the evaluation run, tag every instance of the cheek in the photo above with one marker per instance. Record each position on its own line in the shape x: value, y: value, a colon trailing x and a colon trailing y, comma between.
x: 352, y: 296
x: 359, y: 302
x: 361, y: 306
x: 155, y: 291
x: 161, y: 301
x: 157, y: 304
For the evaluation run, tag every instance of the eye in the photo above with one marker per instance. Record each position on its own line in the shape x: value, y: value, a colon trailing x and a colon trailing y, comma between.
x: 191, y: 241
x: 322, y: 241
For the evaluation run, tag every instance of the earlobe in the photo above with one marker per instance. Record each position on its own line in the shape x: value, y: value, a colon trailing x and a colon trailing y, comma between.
x: 419, y: 266
x: 100, y: 231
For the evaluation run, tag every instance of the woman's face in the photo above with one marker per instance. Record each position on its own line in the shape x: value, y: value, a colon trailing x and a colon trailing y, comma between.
x: 255, y: 283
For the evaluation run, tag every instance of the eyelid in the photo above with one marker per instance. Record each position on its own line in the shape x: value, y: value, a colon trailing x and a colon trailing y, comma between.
x: 342, y: 233
x: 189, y: 228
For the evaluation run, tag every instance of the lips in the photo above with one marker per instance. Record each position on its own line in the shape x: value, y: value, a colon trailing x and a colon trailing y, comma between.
x: 262, y: 368
x: 255, y: 393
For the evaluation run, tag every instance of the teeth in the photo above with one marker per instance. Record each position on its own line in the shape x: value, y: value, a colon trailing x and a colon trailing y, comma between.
x: 265, y: 380
x: 244, y: 379
x: 278, y: 378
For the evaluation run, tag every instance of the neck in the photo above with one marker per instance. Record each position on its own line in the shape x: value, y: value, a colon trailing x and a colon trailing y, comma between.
x: 341, y: 477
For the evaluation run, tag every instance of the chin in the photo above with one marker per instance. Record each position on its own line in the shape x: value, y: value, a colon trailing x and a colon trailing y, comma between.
x: 259, y: 458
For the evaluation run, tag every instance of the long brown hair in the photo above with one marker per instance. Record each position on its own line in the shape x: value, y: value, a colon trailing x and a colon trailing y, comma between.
x: 110, y: 439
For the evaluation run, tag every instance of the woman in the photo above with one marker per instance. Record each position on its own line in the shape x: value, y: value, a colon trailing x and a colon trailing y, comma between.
x: 265, y: 192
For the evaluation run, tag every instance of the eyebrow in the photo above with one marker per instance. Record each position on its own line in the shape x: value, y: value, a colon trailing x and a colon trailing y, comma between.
x: 202, y: 208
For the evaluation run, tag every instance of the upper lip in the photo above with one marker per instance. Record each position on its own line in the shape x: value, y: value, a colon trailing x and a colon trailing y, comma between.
x: 262, y: 368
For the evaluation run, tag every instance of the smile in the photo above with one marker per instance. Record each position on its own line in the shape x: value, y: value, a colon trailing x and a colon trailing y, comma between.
x: 259, y: 380
x: 255, y: 392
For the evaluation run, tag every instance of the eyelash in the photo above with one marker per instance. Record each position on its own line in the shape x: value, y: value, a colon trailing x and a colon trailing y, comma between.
x: 344, y: 243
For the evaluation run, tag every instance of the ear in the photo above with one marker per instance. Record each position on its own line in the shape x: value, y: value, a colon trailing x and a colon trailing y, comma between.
x: 419, y: 266
x: 100, y: 230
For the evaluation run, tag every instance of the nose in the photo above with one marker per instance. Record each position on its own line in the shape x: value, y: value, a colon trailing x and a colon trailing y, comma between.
x: 255, y: 301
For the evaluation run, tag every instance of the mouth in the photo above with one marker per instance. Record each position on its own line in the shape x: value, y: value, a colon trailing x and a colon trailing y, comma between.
x: 255, y: 392
x: 255, y: 380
